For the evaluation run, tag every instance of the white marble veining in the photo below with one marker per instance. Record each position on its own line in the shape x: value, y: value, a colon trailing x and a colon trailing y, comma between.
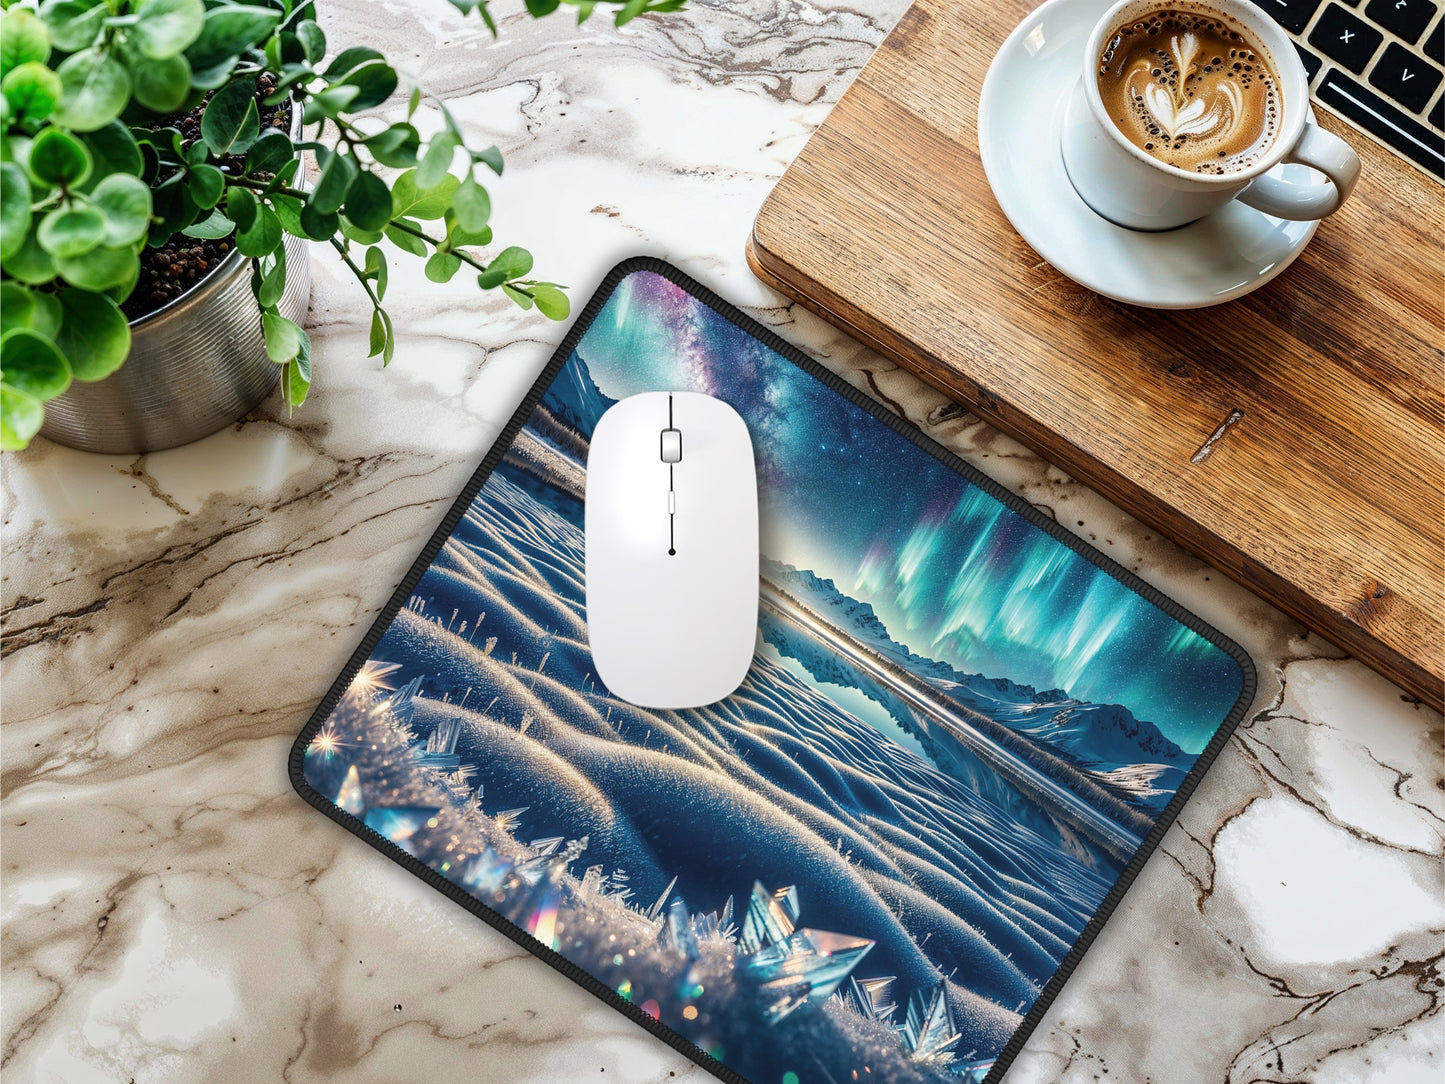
x: 173, y: 912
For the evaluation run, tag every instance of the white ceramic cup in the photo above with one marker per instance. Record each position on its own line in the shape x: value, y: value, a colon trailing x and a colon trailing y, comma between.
x: 1128, y: 186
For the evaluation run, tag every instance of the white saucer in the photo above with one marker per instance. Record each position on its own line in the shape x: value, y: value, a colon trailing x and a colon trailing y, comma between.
x: 1222, y: 256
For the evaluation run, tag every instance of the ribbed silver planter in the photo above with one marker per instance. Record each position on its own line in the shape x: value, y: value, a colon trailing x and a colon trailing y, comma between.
x: 195, y: 366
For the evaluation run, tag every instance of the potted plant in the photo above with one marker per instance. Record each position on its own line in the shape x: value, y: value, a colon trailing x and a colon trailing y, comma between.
x: 154, y: 219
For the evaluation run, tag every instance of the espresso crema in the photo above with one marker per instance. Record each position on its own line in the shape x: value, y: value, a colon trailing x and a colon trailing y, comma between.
x: 1190, y: 89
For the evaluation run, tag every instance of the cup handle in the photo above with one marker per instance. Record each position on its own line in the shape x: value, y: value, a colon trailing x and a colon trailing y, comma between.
x: 1327, y: 153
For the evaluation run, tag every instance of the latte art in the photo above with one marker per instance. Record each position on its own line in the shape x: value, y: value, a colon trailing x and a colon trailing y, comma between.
x: 1190, y: 90
x: 1177, y: 114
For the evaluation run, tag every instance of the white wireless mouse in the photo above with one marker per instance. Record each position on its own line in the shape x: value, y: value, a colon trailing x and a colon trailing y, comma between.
x: 671, y: 519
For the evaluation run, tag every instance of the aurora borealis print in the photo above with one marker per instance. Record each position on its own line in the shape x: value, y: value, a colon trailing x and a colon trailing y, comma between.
x: 867, y: 862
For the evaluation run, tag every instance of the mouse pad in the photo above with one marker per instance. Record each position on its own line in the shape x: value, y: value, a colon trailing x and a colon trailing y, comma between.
x: 962, y: 733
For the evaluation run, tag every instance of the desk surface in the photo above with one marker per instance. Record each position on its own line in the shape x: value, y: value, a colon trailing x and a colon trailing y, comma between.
x: 1325, y: 488
x: 174, y: 912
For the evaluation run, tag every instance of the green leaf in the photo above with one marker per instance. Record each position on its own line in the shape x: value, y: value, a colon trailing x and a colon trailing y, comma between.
x: 460, y: 238
x: 539, y: 8
x: 21, y: 307
x: 263, y: 235
x: 161, y: 85
x: 206, y: 185
x: 165, y: 27
x: 472, y: 206
x: 21, y: 416
x: 114, y: 150
x: 30, y: 263
x: 353, y: 232
x: 24, y: 39
x: 510, y: 263
x: 280, y: 47
x: 74, y: 24
x: 389, y: 346
x: 584, y: 10
x: 337, y: 172
x: 378, y: 334
x: 14, y: 209
x: 94, y: 334
x: 313, y: 40
x: 413, y: 102
x: 630, y: 11
x: 407, y: 242
x: 519, y: 297
x: 349, y: 60
x: 228, y: 31
x: 273, y: 279
x: 33, y: 364
x: 328, y: 103
x: 481, y: 7
x: 99, y: 269
x: 551, y: 302
x: 437, y: 160
x: 296, y: 375
x: 288, y: 210
x: 395, y: 146
x: 368, y: 202
x: 269, y: 153
x: 241, y: 207
x: 375, y: 83
x: 71, y: 231
x: 231, y: 123
x: 442, y: 266
x: 94, y: 89
x: 171, y: 208
x: 15, y: 148
x: 319, y: 225
x: 211, y: 228
x: 491, y: 158
x: 376, y: 269
x: 32, y: 91
x: 283, y: 175
x: 58, y: 159
x: 283, y: 337
x: 294, y: 386
x: 167, y: 142
x: 409, y: 198
x: 125, y: 201
x: 204, y: 79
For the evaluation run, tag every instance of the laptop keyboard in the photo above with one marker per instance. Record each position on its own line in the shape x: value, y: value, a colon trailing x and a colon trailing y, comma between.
x: 1377, y: 63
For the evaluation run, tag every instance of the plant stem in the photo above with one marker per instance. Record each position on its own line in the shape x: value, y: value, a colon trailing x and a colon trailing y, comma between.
x: 358, y: 272
x: 396, y: 223
x: 458, y: 253
x: 261, y: 186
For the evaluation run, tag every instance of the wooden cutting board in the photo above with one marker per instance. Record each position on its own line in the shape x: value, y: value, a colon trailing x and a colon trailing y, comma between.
x: 1294, y: 438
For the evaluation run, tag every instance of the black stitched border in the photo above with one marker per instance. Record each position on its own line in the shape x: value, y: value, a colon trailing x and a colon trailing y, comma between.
x: 900, y: 426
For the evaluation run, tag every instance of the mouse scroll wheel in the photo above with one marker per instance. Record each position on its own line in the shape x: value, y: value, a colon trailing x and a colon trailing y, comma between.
x: 672, y: 445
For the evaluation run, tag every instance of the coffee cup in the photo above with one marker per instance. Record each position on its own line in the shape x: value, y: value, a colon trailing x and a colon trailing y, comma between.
x: 1136, y: 188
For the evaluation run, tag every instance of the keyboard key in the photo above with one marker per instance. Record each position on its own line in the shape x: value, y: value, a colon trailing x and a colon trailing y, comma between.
x: 1435, y: 43
x: 1346, y: 38
x: 1293, y: 15
x: 1404, y: 17
x: 1437, y: 115
x: 1377, y: 116
x: 1405, y: 77
x: 1312, y: 63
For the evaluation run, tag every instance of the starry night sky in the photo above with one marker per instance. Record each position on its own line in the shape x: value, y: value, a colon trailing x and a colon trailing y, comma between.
x: 952, y: 573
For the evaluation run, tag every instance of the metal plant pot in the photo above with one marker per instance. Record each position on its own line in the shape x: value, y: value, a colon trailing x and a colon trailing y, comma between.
x: 195, y: 366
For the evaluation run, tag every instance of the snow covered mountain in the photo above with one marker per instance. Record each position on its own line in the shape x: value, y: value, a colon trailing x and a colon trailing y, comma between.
x: 1127, y: 754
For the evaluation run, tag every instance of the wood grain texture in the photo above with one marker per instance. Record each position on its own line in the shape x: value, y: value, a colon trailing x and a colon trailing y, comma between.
x: 1325, y: 491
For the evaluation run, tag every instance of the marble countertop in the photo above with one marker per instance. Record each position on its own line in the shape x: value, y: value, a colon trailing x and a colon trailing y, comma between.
x: 174, y: 912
